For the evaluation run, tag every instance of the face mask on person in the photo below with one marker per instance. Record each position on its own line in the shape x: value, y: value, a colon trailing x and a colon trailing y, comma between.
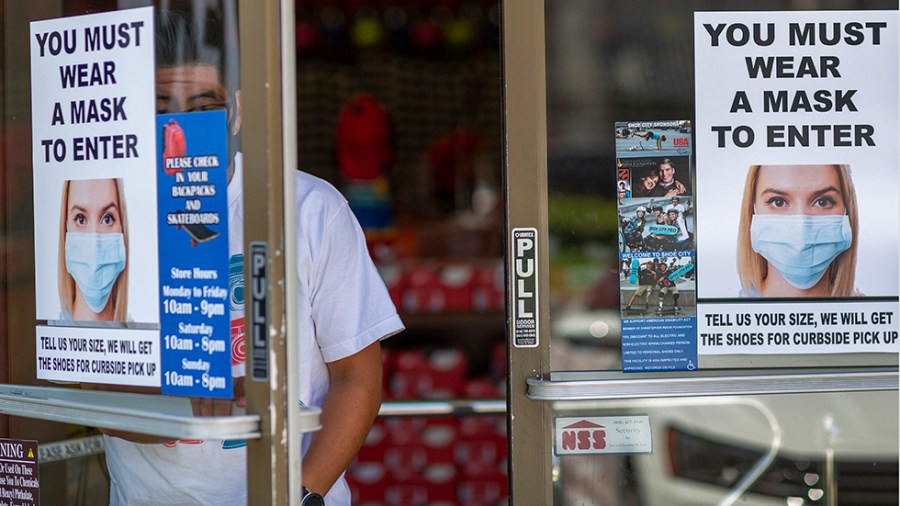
x: 800, y: 247
x: 95, y: 262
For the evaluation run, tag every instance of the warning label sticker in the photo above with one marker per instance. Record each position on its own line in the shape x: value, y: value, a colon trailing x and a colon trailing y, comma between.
x: 19, y: 483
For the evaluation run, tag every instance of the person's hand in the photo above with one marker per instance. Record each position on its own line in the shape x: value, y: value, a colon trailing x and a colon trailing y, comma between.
x: 676, y: 190
x: 202, y: 406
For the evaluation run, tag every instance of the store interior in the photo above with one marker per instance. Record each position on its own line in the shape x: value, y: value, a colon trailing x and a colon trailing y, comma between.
x: 399, y: 107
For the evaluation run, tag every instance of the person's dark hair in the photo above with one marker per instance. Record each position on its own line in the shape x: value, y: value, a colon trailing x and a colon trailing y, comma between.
x: 184, y: 39
x: 667, y: 161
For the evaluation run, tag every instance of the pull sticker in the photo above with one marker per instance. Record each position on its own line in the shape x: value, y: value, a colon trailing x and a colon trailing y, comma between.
x: 525, y: 295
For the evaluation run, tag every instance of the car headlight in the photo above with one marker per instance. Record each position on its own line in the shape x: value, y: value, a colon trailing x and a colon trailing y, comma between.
x: 798, y: 479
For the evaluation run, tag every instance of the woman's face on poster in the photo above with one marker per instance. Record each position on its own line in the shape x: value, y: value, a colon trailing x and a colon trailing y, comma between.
x: 93, y: 206
x: 798, y: 189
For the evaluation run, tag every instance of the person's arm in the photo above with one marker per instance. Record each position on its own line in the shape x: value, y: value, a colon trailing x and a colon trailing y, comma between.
x: 348, y: 411
x: 676, y: 189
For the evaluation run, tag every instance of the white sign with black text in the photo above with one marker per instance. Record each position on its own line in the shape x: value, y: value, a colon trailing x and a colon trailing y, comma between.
x: 797, y: 133
x: 603, y: 434
x: 95, y: 233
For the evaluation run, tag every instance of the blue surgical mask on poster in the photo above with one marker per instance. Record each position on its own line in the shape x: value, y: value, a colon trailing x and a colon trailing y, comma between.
x: 800, y: 247
x: 95, y: 262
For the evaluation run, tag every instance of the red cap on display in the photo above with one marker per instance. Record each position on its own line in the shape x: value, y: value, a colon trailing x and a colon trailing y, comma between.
x: 364, y: 144
x: 452, y: 156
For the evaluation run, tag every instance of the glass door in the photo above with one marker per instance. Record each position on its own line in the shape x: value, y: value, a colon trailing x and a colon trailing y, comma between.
x: 122, y: 248
x: 707, y: 385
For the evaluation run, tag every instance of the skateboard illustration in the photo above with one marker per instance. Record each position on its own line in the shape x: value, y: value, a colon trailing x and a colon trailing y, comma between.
x: 198, y: 232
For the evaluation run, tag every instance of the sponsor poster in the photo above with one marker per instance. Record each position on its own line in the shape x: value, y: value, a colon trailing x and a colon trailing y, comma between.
x: 656, y: 201
x: 796, y: 146
x: 104, y: 234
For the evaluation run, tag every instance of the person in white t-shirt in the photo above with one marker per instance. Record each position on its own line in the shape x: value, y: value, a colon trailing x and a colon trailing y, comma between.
x: 343, y: 310
x: 676, y: 204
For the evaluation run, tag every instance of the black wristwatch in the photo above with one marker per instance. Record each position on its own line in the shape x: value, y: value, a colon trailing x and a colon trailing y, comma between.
x: 311, y: 498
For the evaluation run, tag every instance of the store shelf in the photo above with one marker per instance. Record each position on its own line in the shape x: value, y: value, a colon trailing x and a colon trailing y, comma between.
x: 491, y: 320
x: 453, y: 407
x: 146, y: 414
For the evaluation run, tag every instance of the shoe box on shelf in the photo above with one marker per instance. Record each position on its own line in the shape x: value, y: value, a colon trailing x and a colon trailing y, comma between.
x: 435, y: 461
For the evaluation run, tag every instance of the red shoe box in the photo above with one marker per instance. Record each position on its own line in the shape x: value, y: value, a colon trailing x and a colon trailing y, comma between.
x: 448, y: 374
x: 405, y: 452
x: 411, y: 491
x: 406, y: 459
x: 483, y: 388
x: 441, y: 479
x: 482, y: 442
x: 439, y: 438
x: 404, y: 431
x: 484, y: 490
x: 416, y: 443
x: 432, y: 461
x: 367, y: 482
x: 434, y: 486
x: 431, y: 287
x: 410, y: 377
x: 376, y: 443
x: 456, y: 284
x: 486, y: 485
x: 439, y: 375
x: 423, y: 291
x: 488, y: 288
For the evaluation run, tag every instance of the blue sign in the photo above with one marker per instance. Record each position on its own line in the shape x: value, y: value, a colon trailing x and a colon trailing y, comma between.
x: 659, y: 344
x: 195, y: 351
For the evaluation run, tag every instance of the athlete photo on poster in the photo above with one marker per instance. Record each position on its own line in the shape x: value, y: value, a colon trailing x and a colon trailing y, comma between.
x: 658, y: 287
x: 657, y: 138
x: 652, y: 227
